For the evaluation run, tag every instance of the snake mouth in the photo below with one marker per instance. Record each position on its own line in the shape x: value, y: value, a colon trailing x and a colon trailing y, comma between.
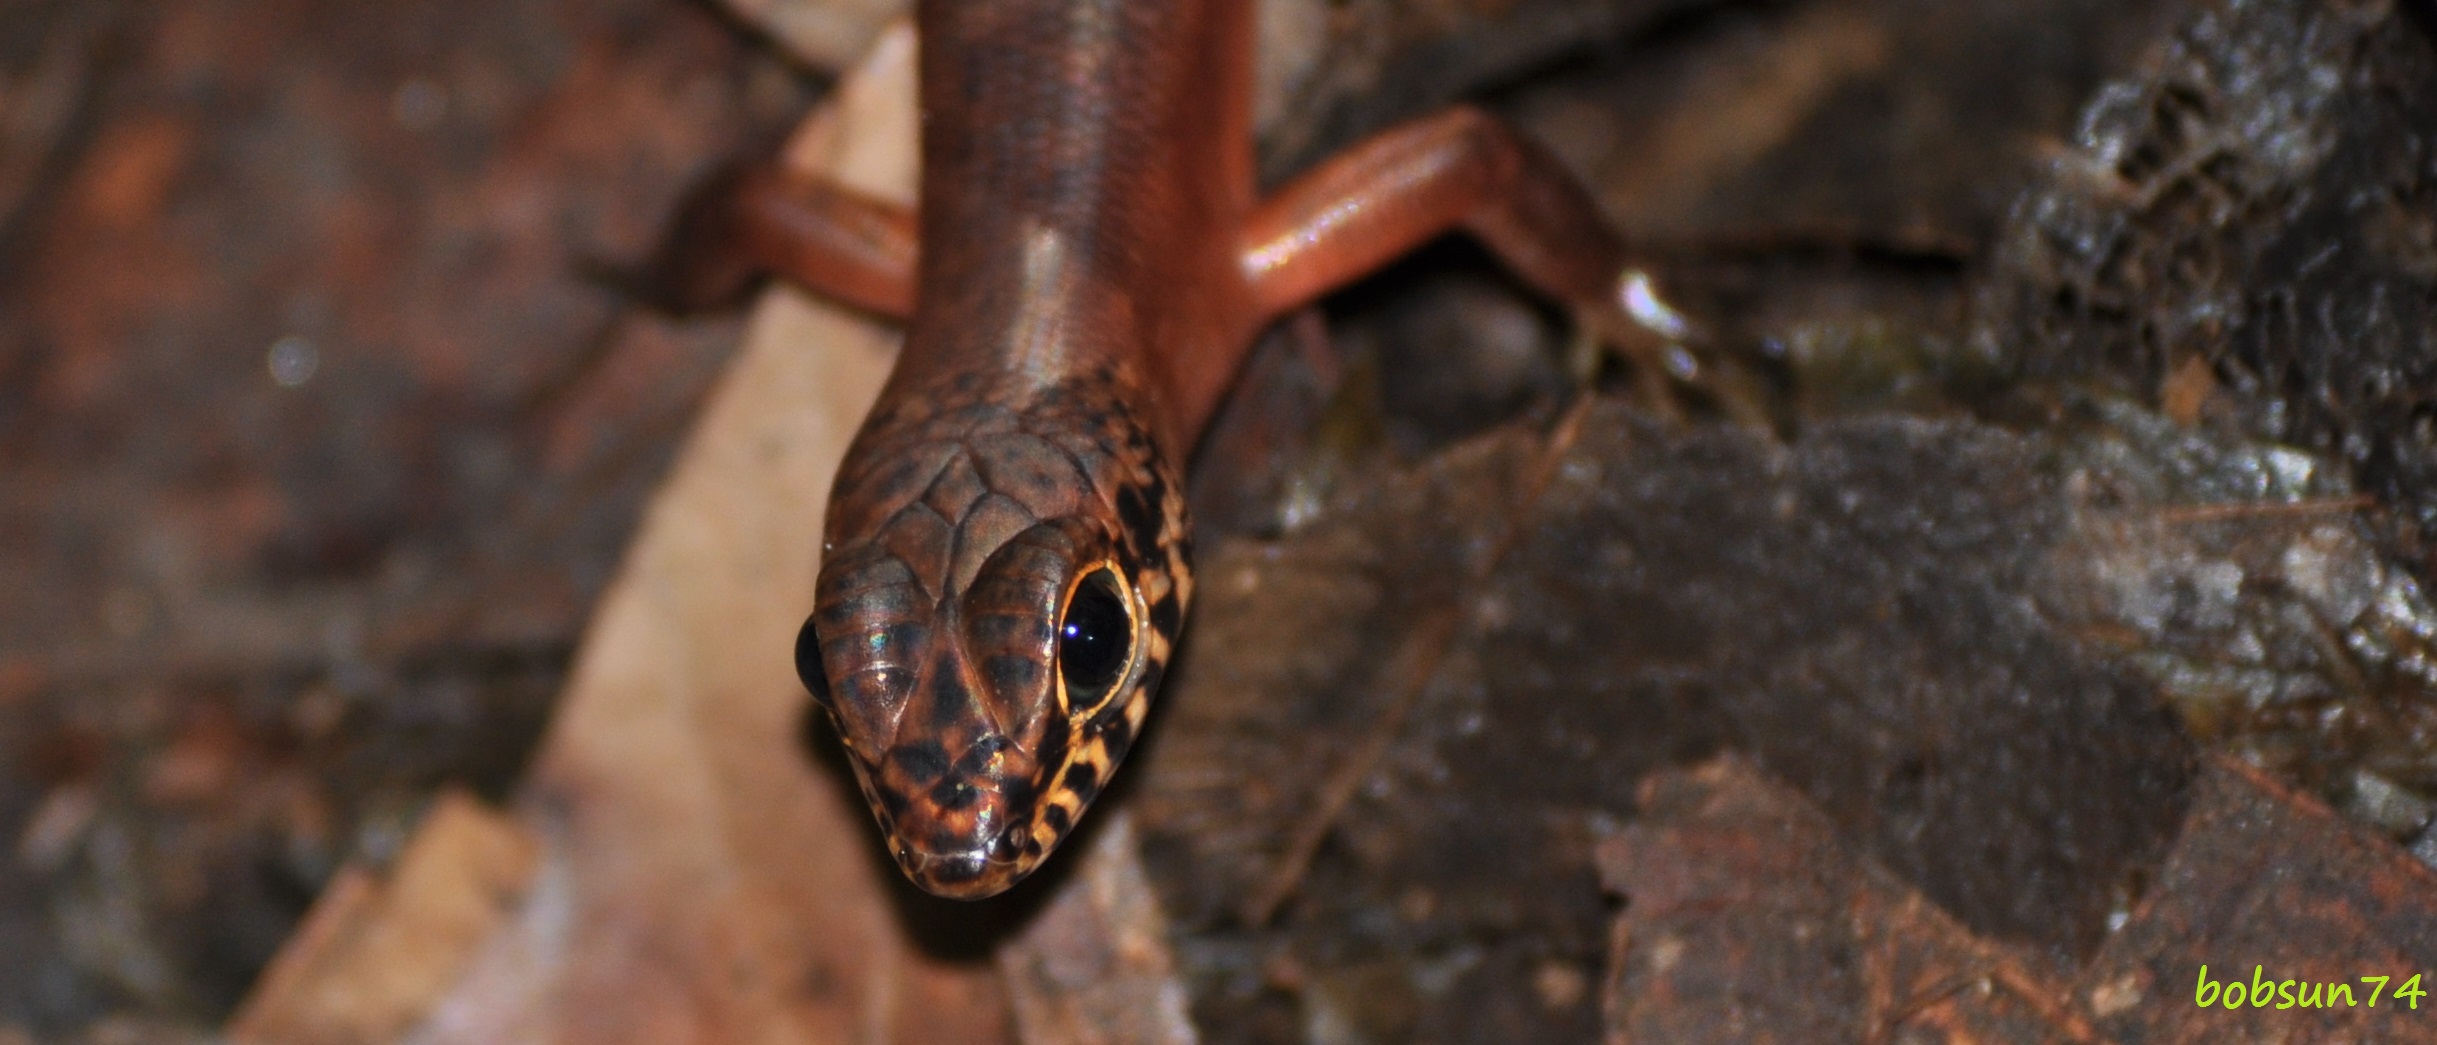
x: 965, y: 875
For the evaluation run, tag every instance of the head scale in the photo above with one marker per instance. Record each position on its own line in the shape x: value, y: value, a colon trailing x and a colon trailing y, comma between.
x: 1002, y: 586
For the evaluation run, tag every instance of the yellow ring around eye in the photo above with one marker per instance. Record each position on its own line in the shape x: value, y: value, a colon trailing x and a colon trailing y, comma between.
x: 1087, y: 638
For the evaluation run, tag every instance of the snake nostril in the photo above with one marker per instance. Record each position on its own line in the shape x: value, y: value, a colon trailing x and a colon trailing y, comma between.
x: 1010, y: 842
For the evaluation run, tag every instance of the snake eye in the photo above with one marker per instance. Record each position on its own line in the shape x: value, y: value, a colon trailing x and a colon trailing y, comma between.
x: 1095, y: 641
x: 808, y: 664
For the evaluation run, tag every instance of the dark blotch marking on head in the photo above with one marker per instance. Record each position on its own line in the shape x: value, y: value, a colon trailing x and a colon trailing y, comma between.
x: 954, y: 794
x: 950, y: 701
x: 1085, y: 795
x: 1009, y: 673
x: 923, y: 760
x: 1006, y: 629
x: 1167, y: 614
x: 1084, y: 781
x: 1056, y: 734
x: 1059, y: 823
x: 1016, y: 793
x: 1118, y: 738
x: 887, y: 799
x: 1140, y: 516
x: 959, y: 869
x: 904, y: 637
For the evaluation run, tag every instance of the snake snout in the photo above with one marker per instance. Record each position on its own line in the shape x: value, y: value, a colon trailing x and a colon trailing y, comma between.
x: 959, y: 833
x: 969, y: 875
x: 973, y: 865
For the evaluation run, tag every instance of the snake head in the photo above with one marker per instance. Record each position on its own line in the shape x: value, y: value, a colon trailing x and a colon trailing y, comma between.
x: 989, y: 625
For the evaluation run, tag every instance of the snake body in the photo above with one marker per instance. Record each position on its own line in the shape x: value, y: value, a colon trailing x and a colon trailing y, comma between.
x: 1007, y: 554
x: 1028, y: 445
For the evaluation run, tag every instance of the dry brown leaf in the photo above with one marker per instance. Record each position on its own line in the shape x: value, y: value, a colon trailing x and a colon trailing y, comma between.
x: 2266, y: 883
x: 1748, y: 920
x: 375, y: 952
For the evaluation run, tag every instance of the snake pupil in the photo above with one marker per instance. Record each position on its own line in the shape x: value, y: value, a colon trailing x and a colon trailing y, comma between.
x: 1095, y: 641
x: 808, y: 664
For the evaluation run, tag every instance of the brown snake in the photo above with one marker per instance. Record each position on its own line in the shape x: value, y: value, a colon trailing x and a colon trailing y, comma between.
x: 1007, y: 554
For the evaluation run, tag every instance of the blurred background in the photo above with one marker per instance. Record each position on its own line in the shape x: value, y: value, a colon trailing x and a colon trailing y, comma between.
x: 316, y: 440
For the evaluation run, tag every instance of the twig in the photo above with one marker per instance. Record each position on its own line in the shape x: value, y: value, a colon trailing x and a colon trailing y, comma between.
x: 2192, y: 513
